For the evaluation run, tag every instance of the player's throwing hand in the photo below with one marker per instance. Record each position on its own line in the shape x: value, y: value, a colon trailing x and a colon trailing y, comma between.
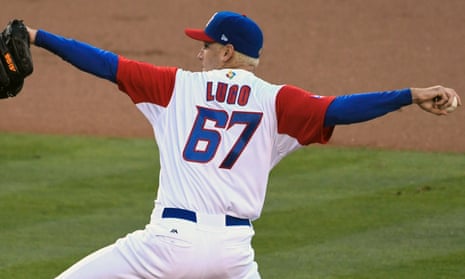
x: 435, y: 99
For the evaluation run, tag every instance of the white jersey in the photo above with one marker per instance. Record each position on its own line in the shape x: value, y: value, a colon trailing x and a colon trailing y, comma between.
x: 220, y: 133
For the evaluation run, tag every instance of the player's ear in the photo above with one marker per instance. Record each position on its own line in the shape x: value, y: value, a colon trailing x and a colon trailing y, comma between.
x: 228, y: 52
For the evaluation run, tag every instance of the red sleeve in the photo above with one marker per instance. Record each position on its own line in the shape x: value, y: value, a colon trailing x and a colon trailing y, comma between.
x: 301, y: 115
x: 144, y: 82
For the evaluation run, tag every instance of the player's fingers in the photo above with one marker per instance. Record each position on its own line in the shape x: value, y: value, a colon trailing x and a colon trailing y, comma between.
x: 439, y: 102
x: 433, y: 108
x: 442, y: 96
x: 438, y: 111
x: 453, y: 99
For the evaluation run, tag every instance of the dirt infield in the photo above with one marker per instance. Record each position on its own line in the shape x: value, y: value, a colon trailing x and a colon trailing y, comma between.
x: 330, y: 47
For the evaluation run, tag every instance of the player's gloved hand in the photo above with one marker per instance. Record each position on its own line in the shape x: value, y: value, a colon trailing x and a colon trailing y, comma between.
x: 15, y: 60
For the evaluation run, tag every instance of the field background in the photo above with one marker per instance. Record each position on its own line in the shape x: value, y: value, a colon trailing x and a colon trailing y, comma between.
x: 331, y: 212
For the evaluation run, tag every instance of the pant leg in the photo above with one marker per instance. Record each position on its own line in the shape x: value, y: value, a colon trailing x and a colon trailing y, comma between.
x: 237, y: 254
x: 148, y: 253
x: 104, y: 263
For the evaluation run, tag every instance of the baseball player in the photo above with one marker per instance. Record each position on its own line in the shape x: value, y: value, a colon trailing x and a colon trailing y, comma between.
x: 220, y: 131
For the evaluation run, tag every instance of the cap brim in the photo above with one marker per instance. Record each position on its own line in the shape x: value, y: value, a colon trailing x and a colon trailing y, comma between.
x: 199, y: 35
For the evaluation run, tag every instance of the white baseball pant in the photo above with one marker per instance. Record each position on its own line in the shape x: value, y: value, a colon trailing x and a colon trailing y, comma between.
x: 173, y: 247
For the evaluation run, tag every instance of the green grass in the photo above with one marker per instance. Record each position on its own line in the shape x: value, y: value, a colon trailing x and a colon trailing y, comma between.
x: 330, y: 212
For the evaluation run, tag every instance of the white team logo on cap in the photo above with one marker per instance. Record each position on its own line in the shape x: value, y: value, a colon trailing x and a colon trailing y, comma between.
x: 224, y: 38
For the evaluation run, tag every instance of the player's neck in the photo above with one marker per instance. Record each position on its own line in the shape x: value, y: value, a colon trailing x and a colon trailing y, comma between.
x: 245, y: 67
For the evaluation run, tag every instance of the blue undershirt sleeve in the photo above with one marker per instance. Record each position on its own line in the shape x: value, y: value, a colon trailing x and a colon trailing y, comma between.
x: 354, y: 108
x: 85, y: 57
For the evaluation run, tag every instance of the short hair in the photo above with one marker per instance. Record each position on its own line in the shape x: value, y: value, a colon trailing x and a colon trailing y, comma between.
x: 242, y: 59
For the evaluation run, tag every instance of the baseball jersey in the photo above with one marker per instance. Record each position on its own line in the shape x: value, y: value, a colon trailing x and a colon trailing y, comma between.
x: 220, y: 132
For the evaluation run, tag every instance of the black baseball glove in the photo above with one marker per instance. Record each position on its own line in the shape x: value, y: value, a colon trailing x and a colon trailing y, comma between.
x: 15, y: 60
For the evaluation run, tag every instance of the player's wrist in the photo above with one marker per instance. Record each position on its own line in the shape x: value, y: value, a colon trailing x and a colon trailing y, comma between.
x: 415, y: 95
x: 32, y: 34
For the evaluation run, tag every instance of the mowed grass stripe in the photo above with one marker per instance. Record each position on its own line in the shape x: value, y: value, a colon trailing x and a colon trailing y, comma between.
x: 316, y: 174
x: 330, y: 212
x: 62, y: 197
x: 403, y: 250
x: 372, y: 194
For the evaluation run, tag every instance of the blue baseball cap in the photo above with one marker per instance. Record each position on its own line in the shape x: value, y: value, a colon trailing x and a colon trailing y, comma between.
x: 231, y: 28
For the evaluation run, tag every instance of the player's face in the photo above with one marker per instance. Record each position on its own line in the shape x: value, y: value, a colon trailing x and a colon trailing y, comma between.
x: 211, y: 56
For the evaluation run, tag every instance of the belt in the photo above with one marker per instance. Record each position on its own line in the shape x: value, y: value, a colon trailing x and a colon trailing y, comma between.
x: 169, y: 212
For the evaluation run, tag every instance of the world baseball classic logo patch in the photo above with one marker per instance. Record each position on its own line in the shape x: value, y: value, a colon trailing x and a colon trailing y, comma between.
x: 230, y: 74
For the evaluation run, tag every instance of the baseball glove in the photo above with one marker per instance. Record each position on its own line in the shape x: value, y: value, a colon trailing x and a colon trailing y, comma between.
x: 15, y: 60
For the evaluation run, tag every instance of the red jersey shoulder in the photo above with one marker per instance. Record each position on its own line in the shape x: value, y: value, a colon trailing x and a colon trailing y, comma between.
x: 300, y: 114
x: 144, y: 82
